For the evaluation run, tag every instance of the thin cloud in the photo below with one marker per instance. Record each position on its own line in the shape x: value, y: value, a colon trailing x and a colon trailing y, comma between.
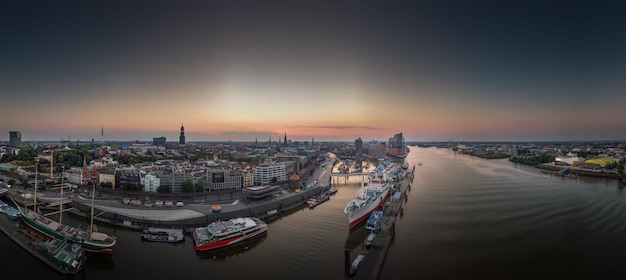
x: 339, y: 127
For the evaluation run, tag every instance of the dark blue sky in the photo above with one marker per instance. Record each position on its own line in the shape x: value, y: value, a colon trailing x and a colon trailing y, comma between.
x: 466, y: 70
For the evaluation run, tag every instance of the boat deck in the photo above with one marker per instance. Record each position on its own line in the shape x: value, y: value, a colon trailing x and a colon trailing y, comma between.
x: 24, y: 237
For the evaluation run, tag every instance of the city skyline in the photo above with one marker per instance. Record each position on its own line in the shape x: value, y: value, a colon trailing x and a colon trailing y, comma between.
x: 332, y: 71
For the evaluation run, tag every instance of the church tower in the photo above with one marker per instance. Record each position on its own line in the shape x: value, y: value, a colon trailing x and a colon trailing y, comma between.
x: 181, y: 139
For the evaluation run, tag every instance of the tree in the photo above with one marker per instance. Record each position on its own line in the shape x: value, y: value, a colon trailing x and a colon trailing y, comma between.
x: 106, y: 185
x: 164, y: 189
x: 188, y: 187
x: 11, y: 182
x: 274, y: 180
x: 199, y: 188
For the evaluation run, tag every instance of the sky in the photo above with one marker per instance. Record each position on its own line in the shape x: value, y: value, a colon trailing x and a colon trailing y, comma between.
x: 328, y: 70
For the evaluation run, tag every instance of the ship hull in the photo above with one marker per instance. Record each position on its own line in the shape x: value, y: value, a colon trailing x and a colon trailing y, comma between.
x: 355, y: 218
x: 88, y: 247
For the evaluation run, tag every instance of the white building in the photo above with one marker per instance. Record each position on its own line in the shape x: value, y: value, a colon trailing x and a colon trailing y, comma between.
x: 74, y: 175
x: 150, y: 182
x: 264, y: 173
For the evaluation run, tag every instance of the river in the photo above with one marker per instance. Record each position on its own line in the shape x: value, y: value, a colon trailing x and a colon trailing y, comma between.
x: 465, y: 218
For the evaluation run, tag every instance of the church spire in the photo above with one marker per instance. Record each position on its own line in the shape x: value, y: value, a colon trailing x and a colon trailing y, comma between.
x: 181, y: 139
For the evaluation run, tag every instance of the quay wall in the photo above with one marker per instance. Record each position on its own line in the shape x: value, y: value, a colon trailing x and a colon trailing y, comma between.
x: 262, y: 209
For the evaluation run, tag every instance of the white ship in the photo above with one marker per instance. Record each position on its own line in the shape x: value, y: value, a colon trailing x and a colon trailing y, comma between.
x: 367, y: 200
x: 223, y: 233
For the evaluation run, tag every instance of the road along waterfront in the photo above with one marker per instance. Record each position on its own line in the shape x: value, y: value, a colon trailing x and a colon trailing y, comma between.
x: 465, y: 218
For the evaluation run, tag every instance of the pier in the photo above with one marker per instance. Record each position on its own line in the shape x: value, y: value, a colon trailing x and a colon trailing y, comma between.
x: 375, y: 258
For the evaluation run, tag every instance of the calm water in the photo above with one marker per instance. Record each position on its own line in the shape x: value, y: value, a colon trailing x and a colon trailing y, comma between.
x: 466, y: 218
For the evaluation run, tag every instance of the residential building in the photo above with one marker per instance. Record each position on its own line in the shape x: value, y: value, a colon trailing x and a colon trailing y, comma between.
x: 175, y: 180
x: 150, y: 182
x: 223, y: 179
x: 248, y: 178
x: 124, y: 178
x: 265, y: 173
x: 107, y: 176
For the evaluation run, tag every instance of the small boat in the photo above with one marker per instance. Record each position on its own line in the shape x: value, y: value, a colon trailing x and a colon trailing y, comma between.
x: 158, y: 203
x: 357, y: 263
x: 10, y: 211
x: 314, y: 201
x: 126, y: 200
x: 373, y: 222
x: 331, y: 191
x: 169, y: 203
x: 168, y: 235
x: 216, y: 209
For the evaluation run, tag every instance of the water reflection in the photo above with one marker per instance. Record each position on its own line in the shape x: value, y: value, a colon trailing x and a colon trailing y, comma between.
x: 356, y: 236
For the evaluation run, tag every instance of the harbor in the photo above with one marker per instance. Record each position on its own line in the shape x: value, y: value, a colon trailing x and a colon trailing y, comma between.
x: 28, y: 239
x: 369, y: 263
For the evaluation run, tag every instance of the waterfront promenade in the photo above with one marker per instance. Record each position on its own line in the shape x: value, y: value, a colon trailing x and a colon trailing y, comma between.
x: 113, y: 211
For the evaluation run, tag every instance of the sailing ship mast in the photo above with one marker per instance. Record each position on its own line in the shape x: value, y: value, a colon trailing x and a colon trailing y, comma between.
x: 61, y: 205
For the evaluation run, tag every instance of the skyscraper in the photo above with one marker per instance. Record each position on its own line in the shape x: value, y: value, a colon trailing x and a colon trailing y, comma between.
x: 359, y: 146
x: 159, y: 141
x: 15, y: 139
x: 181, y: 140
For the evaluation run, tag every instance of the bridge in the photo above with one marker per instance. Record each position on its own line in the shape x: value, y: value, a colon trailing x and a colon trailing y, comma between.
x: 347, y: 175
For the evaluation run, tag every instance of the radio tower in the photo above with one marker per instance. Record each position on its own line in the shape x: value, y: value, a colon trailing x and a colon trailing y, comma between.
x: 102, y: 136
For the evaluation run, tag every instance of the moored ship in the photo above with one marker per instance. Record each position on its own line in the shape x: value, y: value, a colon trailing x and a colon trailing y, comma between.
x: 223, y: 233
x: 367, y: 200
x: 91, y: 242
x: 167, y: 235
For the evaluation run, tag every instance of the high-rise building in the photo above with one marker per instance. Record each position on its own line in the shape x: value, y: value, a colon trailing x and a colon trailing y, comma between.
x: 15, y: 139
x: 181, y: 139
x: 159, y: 141
x: 359, y: 146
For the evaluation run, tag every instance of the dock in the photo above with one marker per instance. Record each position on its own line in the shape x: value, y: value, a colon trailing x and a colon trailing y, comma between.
x: 377, y: 252
x: 25, y: 238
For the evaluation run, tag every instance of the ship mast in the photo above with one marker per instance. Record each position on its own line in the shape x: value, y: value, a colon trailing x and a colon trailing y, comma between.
x: 61, y: 205
x: 35, y: 201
